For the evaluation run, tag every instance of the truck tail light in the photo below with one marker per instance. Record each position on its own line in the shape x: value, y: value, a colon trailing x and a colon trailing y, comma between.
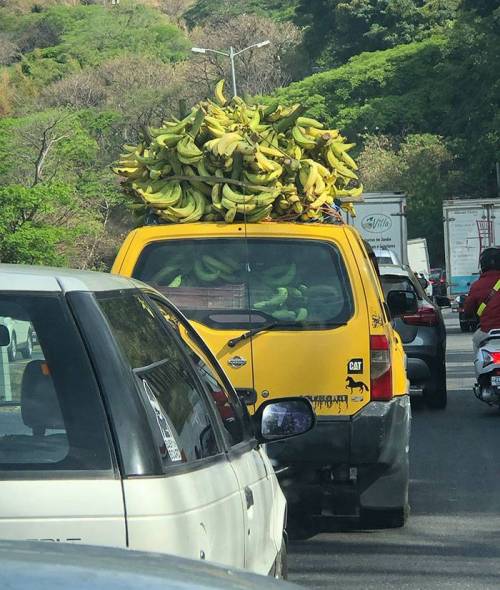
x: 425, y: 316
x: 381, y: 370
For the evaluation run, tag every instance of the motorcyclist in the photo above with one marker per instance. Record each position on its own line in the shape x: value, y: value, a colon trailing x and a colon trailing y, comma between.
x: 483, y: 299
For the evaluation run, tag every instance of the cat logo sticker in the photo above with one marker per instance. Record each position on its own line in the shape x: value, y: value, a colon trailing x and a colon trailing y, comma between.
x: 355, y: 366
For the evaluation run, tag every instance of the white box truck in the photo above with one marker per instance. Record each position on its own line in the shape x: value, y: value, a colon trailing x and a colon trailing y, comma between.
x: 418, y: 256
x: 381, y: 220
x: 470, y: 226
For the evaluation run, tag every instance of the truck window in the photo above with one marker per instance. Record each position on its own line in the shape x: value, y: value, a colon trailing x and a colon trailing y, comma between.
x: 51, y: 418
x: 229, y: 283
x: 173, y: 401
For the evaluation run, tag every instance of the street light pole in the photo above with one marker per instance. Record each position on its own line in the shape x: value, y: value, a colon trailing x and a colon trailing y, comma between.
x: 233, y: 70
x: 232, y: 54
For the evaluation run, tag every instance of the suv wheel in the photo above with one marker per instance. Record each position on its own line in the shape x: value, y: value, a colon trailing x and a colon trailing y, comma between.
x: 392, y: 518
x: 302, y: 527
x: 435, y: 394
x: 12, y: 350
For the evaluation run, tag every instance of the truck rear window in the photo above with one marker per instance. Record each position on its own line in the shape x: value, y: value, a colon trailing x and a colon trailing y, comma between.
x: 234, y: 282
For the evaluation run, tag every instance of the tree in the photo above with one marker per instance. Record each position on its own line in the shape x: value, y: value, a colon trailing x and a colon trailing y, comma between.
x: 337, y: 30
x: 203, y: 11
x: 259, y: 71
x: 421, y: 166
x: 63, y: 40
x: 42, y: 147
x: 26, y: 234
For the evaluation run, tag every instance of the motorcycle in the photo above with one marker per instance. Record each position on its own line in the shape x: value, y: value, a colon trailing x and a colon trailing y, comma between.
x: 487, y: 366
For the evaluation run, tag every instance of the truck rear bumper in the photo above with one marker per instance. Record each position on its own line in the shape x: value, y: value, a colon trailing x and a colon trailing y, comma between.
x: 363, y: 457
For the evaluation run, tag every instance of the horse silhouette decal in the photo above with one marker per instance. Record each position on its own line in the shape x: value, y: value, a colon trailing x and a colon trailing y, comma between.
x: 352, y: 385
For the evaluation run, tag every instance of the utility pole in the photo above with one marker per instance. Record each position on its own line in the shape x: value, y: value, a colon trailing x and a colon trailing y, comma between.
x: 232, y: 54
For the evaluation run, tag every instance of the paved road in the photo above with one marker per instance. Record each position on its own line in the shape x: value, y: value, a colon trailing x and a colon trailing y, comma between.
x: 452, y: 540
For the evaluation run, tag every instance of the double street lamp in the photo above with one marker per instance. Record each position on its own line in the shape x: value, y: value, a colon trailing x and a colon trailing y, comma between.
x: 232, y: 54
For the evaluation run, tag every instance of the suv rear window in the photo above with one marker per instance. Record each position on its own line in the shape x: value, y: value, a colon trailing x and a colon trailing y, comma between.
x: 51, y: 417
x: 398, y: 283
x: 235, y: 282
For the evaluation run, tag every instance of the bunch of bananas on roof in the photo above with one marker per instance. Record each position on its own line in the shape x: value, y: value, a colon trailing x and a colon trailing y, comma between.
x: 232, y: 161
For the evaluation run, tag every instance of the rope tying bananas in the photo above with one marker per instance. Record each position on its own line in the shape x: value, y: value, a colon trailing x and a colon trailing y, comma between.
x: 231, y: 161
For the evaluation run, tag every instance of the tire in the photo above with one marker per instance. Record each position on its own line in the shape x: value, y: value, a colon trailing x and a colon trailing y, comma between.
x: 302, y: 528
x: 464, y: 326
x: 435, y: 393
x: 27, y: 351
x: 12, y: 349
x: 393, y: 518
x: 280, y: 567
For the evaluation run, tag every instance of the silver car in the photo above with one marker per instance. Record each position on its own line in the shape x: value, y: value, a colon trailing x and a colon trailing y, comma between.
x: 47, y: 566
x: 423, y: 334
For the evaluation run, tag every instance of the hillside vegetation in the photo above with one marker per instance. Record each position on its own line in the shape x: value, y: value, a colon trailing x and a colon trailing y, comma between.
x: 413, y: 82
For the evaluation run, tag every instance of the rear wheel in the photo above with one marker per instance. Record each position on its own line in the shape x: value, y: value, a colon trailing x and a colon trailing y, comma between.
x: 302, y: 527
x: 389, y: 518
x: 435, y: 393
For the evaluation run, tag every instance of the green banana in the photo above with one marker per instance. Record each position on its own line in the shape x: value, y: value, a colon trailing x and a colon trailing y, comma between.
x: 235, y: 197
x: 176, y: 282
x: 217, y: 265
x: 203, y: 274
x: 276, y: 301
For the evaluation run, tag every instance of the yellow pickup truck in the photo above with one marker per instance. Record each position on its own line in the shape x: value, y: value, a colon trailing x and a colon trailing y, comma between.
x: 297, y: 310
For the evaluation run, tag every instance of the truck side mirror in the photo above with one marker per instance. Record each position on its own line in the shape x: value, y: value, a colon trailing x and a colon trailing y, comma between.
x: 401, y: 302
x: 4, y: 336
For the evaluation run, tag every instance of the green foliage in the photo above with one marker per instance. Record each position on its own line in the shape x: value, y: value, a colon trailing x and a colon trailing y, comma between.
x: 27, y: 231
x: 422, y: 167
x: 64, y: 39
x: 337, y: 30
x: 396, y: 91
x: 204, y: 10
x: 70, y: 147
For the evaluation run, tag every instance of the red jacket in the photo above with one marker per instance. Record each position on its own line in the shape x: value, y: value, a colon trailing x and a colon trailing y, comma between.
x: 479, y: 292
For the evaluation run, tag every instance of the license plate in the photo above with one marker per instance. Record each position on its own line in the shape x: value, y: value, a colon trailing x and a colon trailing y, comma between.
x: 495, y: 381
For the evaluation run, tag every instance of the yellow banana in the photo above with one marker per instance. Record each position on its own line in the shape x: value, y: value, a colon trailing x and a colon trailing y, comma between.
x: 228, y: 143
x: 216, y: 131
x: 219, y: 93
x: 308, y: 122
x: 338, y: 165
x: 311, y: 178
x: 230, y: 215
x: 271, y: 151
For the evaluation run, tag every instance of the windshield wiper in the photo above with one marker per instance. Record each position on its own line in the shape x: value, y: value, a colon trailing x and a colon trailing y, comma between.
x: 271, y: 325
